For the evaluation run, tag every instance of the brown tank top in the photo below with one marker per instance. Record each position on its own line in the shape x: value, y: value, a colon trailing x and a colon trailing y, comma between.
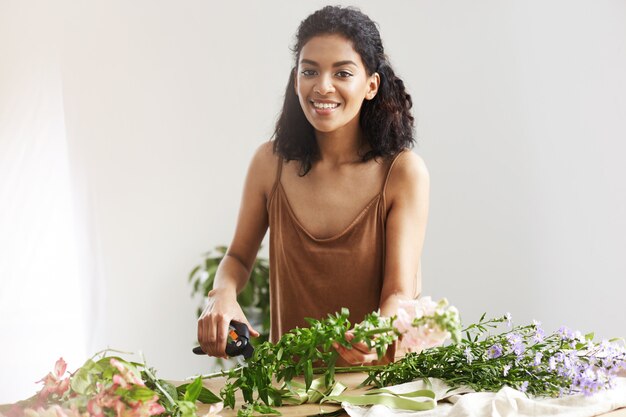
x: 311, y: 277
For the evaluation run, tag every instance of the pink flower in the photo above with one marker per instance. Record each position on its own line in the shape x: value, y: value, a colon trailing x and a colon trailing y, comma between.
x: 155, y: 409
x: 53, y: 384
x: 126, y: 376
x: 59, y: 367
x: 417, y: 324
x: 119, y: 380
x: 139, y: 408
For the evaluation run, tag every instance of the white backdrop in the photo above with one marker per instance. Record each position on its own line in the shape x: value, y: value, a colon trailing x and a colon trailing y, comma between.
x: 159, y: 105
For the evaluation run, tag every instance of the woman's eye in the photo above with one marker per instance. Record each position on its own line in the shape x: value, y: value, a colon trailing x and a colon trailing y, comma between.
x: 307, y: 73
x: 344, y: 74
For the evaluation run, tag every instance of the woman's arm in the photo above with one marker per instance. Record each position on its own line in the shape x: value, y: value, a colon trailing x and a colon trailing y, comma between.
x: 408, y: 194
x: 234, y: 270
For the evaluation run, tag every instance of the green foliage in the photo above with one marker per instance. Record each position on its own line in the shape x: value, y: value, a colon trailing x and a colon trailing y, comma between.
x: 296, y: 353
x: 178, y: 401
x: 528, y: 364
x: 197, y: 392
x: 255, y: 409
x: 253, y: 299
x: 85, y: 380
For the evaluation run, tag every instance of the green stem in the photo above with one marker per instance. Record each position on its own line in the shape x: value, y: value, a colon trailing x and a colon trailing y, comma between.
x: 216, y: 374
x: 338, y: 370
x: 348, y: 369
x: 156, y: 382
x: 378, y: 330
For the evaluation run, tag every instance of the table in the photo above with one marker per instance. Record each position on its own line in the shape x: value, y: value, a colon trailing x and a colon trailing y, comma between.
x: 350, y: 380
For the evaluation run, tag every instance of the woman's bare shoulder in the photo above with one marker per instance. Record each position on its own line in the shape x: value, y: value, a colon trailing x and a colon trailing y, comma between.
x: 410, y: 164
x: 409, y: 172
x: 264, y: 166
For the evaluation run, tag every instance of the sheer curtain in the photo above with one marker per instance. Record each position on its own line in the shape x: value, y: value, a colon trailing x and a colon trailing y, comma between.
x: 44, y: 294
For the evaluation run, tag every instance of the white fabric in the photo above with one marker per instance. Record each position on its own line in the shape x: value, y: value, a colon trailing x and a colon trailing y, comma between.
x: 507, y: 402
x: 42, y: 302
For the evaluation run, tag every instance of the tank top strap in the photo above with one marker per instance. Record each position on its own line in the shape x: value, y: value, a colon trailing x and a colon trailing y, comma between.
x: 393, y: 162
x: 384, y: 199
x: 279, y: 170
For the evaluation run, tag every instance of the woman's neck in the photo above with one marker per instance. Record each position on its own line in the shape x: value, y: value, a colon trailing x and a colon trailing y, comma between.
x: 342, y: 146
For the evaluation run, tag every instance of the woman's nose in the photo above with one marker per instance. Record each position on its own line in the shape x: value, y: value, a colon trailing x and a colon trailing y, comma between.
x: 324, y: 86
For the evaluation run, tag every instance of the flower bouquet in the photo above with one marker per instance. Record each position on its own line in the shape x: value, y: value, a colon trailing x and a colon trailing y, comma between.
x: 107, y: 386
x: 476, y: 357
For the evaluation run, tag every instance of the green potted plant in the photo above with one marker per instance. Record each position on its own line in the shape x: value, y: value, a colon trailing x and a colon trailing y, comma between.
x: 254, y: 299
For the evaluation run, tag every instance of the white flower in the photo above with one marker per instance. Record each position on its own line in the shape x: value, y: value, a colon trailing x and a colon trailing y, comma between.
x: 214, y: 409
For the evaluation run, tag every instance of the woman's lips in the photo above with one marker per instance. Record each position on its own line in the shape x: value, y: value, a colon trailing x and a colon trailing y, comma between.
x: 324, y: 111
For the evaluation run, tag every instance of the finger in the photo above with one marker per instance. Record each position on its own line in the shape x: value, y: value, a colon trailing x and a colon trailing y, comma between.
x: 358, y: 358
x: 205, y: 341
x: 200, y: 340
x: 355, y: 356
x: 212, y: 337
x: 222, y: 339
x: 350, y: 356
x: 252, y: 331
x: 368, y: 357
x: 361, y: 346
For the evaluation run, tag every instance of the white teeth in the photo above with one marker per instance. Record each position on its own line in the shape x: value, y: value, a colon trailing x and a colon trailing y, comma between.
x: 325, y: 105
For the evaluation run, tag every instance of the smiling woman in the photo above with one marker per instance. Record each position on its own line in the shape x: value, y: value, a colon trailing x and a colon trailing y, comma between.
x: 345, y: 201
x: 326, y: 88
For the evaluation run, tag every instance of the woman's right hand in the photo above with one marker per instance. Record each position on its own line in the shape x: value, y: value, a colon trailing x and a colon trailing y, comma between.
x: 213, y: 323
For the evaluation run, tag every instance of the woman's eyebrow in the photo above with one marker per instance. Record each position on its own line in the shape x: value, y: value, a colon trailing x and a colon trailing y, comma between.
x: 336, y: 64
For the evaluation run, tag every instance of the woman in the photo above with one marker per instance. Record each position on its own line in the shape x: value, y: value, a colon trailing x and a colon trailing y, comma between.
x: 345, y: 201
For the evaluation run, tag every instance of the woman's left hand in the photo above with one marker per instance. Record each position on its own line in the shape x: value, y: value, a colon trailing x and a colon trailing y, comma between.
x: 359, y: 354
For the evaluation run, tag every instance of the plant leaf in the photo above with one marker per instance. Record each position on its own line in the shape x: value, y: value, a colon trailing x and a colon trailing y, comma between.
x: 192, y: 391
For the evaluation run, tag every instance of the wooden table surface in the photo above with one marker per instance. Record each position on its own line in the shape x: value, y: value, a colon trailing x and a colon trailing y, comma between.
x: 350, y: 380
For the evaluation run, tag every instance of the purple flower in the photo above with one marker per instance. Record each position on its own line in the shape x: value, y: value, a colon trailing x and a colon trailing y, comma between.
x: 587, y: 381
x: 517, y: 346
x: 537, y: 360
x: 552, y: 363
x: 565, y: 333
x: 539, y: 335
x: 513, y: 338
x: 495, y: 351
x: 524, y: 386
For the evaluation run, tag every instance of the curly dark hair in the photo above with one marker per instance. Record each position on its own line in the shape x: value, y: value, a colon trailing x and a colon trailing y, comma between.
x: 386, y: 120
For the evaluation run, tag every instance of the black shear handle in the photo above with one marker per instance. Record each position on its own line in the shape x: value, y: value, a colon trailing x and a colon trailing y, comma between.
x: 240, y: 346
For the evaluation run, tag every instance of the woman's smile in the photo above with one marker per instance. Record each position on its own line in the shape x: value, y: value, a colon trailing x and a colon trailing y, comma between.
x: 332, y: 83
x: 324, y: 107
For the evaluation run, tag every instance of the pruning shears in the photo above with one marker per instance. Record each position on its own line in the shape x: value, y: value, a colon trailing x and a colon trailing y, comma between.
x: 238, y: 341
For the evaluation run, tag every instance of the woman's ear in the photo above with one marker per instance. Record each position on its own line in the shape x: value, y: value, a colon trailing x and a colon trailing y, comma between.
x: 374, y: 83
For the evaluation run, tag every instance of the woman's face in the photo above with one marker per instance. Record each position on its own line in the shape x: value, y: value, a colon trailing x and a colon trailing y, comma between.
x: 331, y: 82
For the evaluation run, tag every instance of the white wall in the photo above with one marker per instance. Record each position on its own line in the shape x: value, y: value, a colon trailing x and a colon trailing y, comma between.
x: 520, y: 109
